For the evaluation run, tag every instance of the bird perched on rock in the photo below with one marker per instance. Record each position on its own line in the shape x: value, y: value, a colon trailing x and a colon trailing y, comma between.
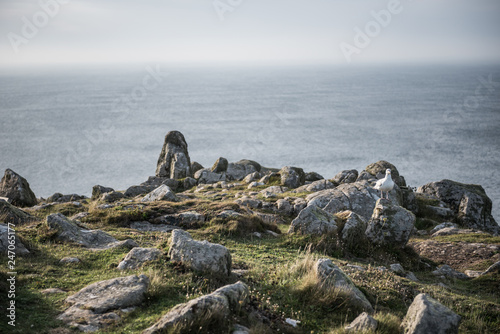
x: 386, y: 184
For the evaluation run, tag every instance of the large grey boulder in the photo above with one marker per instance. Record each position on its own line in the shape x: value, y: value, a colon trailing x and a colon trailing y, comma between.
x: 98, y: 191
x: 199, y: 255
x: 378, y: 169
x: 390, y: 225
x: 206, y: 176
x: 313, y: 220
x: 9, y: 243
x: 219, y: 305
x: 220, y: 166
x: 10, y: 214
x: 174, y: 161
x: 96, y: 305
x: 313, y: 176
x: 238, y: 170
x: 162, y: 193
x: 330, y: 275
x: 346, y: 176
x: 134, y: 191
x: 353, y: 228
x: 67, y: 231
x: 427, y: 316
x: 17, y: 189
x: 358, y: 197
x: 137, y: 256
x: 60, y: 198
x: 292, y: 177
x: 362, y: 324
x: 469, y: 203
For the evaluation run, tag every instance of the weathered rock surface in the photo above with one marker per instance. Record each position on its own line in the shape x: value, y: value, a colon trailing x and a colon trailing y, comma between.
x: 390, y: 225
x: 363, y: 323
x: 353, y: 229
x: 358, y: 197
x: 174, y: 161
x: 17, y: 189
x: 220, y: 165
x: 10, y: 214
x: 95, y: 306
x: 378, y: 169
x: 313, y: 220
x: 238, y: 170
x: 189, y: 219
x: 9, y: 244
x: 68, y: 231
x: 315, y: 186
x: 249, y: 202
x: 292, y: 177
x: 459, y: 255
x: 427, y: 316
x: 98, y: 191
x: 162, y: 193
x: 313, y: 176
x: 201, y: 256
x: 494, y: 268
x: 443, y: 225
x: 217, y: 305
x: 346, y: 176
x: 469, y: 202
x: 134, y: 191
x: 206, y: 176
x: 329, y: 274
x: 451, y: 231
x: 137, y: 256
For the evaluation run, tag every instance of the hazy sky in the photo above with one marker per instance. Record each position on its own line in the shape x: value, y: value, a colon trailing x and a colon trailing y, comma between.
x: 283, y: 31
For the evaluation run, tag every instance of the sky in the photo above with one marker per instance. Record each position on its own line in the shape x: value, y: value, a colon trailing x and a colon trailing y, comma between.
x: 248, y: 31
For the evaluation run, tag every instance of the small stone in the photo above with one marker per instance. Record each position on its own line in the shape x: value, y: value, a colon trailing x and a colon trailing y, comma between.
x: 397, y: 269
x: 363, y: 323
x: 67, y: 260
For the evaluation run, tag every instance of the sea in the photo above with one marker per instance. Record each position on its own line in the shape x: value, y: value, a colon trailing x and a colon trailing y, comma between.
x: 68, y: 128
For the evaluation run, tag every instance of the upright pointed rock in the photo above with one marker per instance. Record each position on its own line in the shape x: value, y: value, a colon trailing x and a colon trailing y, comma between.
x: 174, y: 161
x: 17, y: 189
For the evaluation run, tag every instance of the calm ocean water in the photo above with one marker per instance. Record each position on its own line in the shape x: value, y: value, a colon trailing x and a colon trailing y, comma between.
x: 67, y: 130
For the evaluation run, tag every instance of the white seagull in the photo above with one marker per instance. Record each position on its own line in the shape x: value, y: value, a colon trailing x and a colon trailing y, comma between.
x: 386, y: 184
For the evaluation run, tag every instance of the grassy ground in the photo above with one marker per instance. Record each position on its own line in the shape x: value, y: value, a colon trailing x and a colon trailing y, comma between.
x: 275, y: 268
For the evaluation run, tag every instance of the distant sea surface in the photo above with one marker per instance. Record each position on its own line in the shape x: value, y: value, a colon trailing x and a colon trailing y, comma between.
x: 66, y: 130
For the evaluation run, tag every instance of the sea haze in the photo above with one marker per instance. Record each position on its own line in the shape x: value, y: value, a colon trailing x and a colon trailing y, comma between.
x: 68, y: 130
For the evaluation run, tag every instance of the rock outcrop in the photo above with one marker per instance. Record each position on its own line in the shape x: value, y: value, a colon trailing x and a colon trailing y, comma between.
x: 469, y: 202
x: 189, y: 219
x: 362, y: 324
x: 313, y: 220
x: 346, y: 176
x: 67, y: 231
x: 358, y: 197
x: 378, y: 169
x: 292, y: 177
x: 216, y: 307
x: 162, y: 193
x: 427, y: 316
x: 352, y: 228
x: 138, y: 256
x: 199, y: 255
x: 238, y: 170
x: 9, y: 244
x: 98, y: 191
x: 174, y: 161
x: 10, y: 214
x: 390, y: 225
x: 17, y: 189
x: 331, y: 275
x: 96, y: 305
